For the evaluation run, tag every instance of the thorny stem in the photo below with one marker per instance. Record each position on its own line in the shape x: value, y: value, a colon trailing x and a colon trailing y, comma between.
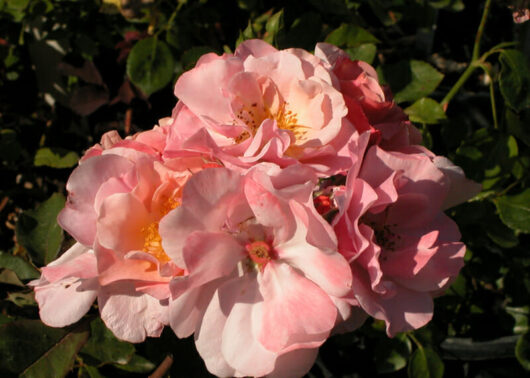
x: 487, y: 71
x: 474, y: 58
x: 480, y: 31
x: 416, y: 341
x: 467, y: 73
x: 163, y: 367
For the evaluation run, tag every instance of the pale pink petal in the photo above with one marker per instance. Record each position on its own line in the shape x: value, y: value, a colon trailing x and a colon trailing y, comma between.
x: 240, y: 346
x: 82, y: 266
x: 328, y: 52
x: 270, y: 211
x: 74, y: 251
x: 461, y: 189
x: 186, y: 311
x: 209, y: 337
x: 254, y: 47
x: 294, y: 364
x: 324, y: 266
x: 120, y: 223
x: 158, y: 290
x: 207, y: 256
x: 78, y: 217
x: 129, y: 269
x: 201, y: 88
x: 296, y: 311
x: 130, y: 315
x: 66, y: 301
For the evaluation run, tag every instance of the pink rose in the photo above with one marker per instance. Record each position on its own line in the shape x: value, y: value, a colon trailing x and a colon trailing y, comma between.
x: 261, y: 104
x: 116, y: 200
x: 401, y: 247
x: 262, y: 270
x: 370, y: 106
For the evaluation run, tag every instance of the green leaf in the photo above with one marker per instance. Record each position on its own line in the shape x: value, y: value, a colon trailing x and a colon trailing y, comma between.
x: 365, y: 52
x: 412, y: 80
x: 349, y: 35
x: 7, y: 276
x: 22, y: 299
x: 452, y: 5
x: 248, y: 33
x: 38, y: 232
x: 274, y: 28
x: 55, y: 158
x: 465, y: 349
x: 92, y: 371
x: 59, y: 359
x: 190, y: 57
x: 518, y: 124
x: 522, y: 350
x: 426, y: 110
x: 514, y: 79
x: 137, y: 364
x: 514, y: 211
x: 520, y: 316
x: 150, y: 65
x: 105, y: 347
x: 500, y: 234
x: 35, y: 350
x: 425, y: 363
x: 392, y: 354
x: 23, y: 269
x: 16, y: 8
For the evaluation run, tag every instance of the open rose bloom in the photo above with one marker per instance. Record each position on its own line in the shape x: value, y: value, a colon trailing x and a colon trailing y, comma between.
x: 286, y: 198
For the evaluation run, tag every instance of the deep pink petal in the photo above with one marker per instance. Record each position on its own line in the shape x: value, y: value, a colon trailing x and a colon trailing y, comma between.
x: 405, y: 310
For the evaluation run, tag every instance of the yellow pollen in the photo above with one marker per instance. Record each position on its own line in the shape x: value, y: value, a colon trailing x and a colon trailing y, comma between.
x: 170, y: 204
x: 152, y: 239
x: 153, y: 243
x: 285, y: 119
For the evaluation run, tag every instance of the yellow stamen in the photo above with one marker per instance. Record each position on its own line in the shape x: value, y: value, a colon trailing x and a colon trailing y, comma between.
x: 153, y: 243
x: 152, y: 238
x: 285, y: 119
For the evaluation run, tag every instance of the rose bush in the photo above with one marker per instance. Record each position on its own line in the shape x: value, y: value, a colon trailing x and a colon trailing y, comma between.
x: 286, y: 198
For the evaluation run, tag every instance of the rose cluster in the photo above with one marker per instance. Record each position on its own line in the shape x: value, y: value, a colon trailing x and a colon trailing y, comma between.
x: 286, y: 198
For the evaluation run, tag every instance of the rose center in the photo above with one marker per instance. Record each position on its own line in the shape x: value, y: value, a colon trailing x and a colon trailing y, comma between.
x: 252, y: 116
x: 259, y: 252
x: 153, y: 243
